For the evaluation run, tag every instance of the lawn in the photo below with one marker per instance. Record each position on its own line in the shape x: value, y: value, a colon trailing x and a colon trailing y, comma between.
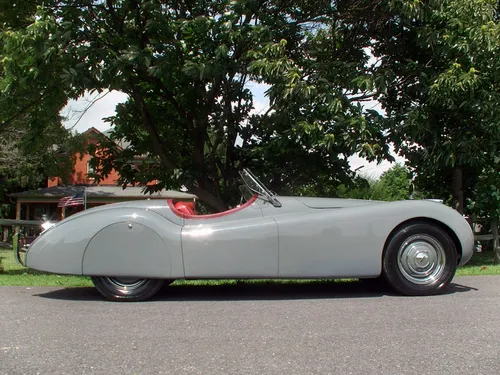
x: 15, y: 274
x: 480, y: 264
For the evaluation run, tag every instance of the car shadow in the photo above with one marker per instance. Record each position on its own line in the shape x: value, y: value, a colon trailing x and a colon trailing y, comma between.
x: 252, y: 291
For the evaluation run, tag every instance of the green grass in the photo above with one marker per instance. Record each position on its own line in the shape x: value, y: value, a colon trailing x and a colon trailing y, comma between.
x: 38, y: 279
x: 480, y: 264
x: 16, y: 275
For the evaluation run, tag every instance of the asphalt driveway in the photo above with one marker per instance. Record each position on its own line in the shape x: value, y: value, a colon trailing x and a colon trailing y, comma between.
x: 289, y: 329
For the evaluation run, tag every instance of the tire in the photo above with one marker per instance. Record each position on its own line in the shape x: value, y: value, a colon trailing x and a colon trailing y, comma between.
x: 127, y: 288
x: 420, y: 259
x: 167, y: 283
x: 376, y: 284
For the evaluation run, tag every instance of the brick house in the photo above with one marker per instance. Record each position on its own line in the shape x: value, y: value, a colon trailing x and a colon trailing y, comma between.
x: 33, y: 204
x: 82, y: 168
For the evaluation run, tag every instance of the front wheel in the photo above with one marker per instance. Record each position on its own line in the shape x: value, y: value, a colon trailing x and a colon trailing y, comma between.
x: 420, y: 259
x: 127, y: 288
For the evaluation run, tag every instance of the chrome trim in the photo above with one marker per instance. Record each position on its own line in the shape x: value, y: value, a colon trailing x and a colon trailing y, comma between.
x: 421, y: 259
x: 125, y: 285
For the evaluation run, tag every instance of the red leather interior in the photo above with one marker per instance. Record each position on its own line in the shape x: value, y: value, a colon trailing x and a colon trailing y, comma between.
x: 184, y: 211
x: 186, y: 208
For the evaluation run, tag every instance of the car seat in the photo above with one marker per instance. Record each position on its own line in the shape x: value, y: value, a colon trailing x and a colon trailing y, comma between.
x: 187, y: 208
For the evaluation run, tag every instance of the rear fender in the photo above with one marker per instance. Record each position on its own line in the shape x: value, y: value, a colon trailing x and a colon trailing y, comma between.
x: 136, y: 244
x: 79, y: 244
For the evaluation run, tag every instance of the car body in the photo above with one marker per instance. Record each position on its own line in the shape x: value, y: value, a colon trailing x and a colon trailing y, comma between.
x: 131, y: 248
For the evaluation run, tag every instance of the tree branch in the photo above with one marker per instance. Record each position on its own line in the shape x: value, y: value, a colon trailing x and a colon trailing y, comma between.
x: 118, y: 23
x: 22, y: 111
x: 150, y: 126
x: 86, y: 109
x: 362, y: 97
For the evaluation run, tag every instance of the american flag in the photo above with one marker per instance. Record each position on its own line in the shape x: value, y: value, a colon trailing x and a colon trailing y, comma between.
x: 73, y: 200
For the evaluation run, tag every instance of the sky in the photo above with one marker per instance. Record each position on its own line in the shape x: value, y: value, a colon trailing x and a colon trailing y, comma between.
x: 82, y: 115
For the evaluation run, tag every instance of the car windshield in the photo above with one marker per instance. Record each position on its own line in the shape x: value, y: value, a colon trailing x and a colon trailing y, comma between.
x: 257, y: 187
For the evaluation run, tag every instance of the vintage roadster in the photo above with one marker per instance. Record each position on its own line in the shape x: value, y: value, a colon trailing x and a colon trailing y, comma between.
x: 131, y: 249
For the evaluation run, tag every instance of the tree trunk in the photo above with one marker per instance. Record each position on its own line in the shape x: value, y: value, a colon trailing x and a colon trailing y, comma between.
x: 457, y: 188
x: 208, y: 198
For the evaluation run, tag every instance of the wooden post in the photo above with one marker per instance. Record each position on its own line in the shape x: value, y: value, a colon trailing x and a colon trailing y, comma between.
x: 496, y: 245
x: 18, y: 215
x: 18, y: 210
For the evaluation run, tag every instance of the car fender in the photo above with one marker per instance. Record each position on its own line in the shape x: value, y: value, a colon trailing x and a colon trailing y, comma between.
x: 137, y: 244
x: 98, y: 242
x: 439, y: 214
x: 349, y: 241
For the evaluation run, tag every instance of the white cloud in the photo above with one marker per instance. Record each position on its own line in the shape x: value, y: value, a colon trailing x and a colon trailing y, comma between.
x: 81, y: 117
x: 260, y: 101
x: 372, y: 169
x: 260, y: 107
x: 258, y: 90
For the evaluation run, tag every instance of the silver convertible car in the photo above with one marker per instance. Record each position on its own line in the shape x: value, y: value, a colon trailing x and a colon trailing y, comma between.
x: 131, y: 249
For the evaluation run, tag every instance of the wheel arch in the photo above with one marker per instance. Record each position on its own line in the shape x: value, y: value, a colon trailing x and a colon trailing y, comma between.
x: 134, y: 243
x: 127, y: 248
x: 427, y: 220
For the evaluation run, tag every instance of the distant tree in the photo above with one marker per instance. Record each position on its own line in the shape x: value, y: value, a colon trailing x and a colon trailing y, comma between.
x: 360, y: 188
x: 26, y: 163
x: 485, y: 203
x: 487, y: 193
x: 394, y: 184
x: 355, y: 188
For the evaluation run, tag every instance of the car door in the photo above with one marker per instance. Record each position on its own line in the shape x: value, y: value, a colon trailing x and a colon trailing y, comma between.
x: 329, y: 243
x: 240, y: 244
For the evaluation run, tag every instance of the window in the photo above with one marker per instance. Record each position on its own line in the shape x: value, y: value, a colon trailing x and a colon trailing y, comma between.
x: 90, y: 171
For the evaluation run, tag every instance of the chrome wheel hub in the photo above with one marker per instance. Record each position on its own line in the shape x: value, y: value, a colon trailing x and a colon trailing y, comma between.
x: 125, y: 285
x: 421, y: 259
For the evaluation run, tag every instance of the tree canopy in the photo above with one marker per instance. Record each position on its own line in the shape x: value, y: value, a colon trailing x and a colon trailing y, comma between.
x: 442, y: 100
x: 186, y: 67
x: 392, y: 185
x: 33, y: 142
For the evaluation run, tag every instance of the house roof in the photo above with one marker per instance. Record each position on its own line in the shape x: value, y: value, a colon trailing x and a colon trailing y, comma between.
x: 122, y: 143
x: 131, y: 192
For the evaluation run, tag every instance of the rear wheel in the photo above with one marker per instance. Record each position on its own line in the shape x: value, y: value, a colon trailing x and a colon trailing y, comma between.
x: 127, y: 288
x: 420, y: 259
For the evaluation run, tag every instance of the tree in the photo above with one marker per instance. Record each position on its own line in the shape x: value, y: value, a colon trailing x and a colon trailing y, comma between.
x: 394, y: 184
x: 186, y: 67
x: 485, y: 203
x: 26, y: 162
x: 442, y: 101
x: 33, y: 143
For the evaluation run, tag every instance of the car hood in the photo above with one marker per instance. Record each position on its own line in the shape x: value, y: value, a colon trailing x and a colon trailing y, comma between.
x: 313, y: 202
